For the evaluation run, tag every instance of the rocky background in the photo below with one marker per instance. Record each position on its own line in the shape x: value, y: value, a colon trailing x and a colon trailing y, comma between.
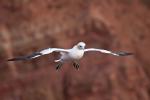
x: 31, y: 25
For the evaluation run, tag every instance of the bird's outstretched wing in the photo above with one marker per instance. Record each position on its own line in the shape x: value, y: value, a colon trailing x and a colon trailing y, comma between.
x: 120, y: 53
x: 38, y: 54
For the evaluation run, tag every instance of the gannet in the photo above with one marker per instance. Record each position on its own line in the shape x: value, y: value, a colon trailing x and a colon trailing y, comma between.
x: 74, y: 54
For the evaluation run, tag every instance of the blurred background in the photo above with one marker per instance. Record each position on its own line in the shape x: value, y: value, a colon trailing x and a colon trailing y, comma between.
x: 31, y: 25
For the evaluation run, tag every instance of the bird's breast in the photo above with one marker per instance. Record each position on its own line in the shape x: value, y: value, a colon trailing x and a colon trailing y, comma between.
x: 76, y: 54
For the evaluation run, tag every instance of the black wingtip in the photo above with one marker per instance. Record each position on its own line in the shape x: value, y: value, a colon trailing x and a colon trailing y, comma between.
x: 124, y: 53
x: 29, y: 57
x: 11, y: 59
x: 16, y: 59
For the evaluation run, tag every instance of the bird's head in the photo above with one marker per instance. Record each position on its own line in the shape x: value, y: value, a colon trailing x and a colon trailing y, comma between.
x: 81, y: 45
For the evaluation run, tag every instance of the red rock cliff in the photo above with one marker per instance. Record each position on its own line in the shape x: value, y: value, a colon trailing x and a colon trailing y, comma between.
x: 31, y: 25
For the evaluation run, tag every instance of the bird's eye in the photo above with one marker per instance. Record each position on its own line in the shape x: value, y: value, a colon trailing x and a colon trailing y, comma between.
x: 80, y: 46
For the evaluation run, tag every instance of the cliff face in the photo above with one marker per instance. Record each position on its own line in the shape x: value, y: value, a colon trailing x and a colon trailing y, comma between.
x: 31, y: 25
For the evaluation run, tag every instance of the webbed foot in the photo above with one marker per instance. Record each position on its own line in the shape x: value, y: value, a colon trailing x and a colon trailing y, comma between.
x: 76, y: 65
x: 58, y: 66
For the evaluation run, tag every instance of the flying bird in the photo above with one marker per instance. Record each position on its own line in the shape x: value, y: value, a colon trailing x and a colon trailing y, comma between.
x: 74, y: 54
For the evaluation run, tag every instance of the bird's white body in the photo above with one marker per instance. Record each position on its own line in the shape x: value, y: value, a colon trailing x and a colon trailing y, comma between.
x: 73, y: 54
x: 76, y: 54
